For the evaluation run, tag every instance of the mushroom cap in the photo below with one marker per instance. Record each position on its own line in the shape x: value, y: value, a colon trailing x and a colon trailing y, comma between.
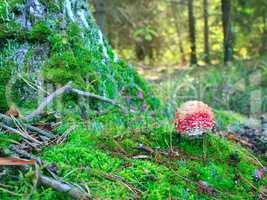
x: 194, y: 118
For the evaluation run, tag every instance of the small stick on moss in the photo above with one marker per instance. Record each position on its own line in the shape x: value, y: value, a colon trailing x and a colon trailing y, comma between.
x: 10, y: 122
x: 10, y: 192
x: 121, y: 180
x: 24, y: 135
x: 204, y: 147
x: 47, y: 101
x: 58, y: 185
x: 69, y: 88
x: 249, y: 183
x: 67, y: 188
x: 65, y: 135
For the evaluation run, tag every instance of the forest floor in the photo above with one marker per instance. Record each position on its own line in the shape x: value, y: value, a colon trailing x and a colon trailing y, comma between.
x: 140, y: 156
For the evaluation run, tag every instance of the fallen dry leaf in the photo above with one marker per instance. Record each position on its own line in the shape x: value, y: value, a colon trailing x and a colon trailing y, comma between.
x: 15, y: 161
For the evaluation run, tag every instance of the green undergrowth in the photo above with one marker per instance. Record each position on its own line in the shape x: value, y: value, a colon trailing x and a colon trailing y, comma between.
x: 239, y: 87
x: 227, y: 118
x: 107, y: 148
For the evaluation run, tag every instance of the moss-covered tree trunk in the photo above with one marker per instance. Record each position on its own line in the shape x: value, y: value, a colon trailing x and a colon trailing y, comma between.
x: 47, y: 43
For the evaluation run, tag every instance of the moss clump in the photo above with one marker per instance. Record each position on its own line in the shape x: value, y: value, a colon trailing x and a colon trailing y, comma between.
x: 4, y: 78
x: 7, y: 139
x: 52, y: 6
x: 72, y: 60
x: 40, y: 31
x: 7, y: 9
x: 63, y: 67
x: 11, y: 30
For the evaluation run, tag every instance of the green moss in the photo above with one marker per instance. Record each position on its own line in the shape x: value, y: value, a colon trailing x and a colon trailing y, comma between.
x: 63, y: 67
x: 11, y: 30
x: 99, y: 153
x: 71, y: 61
x: 226, y: 118
x: 90, y: 154
x: 40, y: 31
x: 52, y: 6
x: 7, y: 8
x: 107, y: 146
x: 4, y: 78
x: 8, y: 139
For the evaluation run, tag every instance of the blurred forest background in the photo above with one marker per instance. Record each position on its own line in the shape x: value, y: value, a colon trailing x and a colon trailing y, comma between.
x: 172, y: 32
x: 224, y: 42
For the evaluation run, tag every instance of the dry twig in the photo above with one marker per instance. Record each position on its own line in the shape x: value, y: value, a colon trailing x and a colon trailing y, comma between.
x: 70, y: 89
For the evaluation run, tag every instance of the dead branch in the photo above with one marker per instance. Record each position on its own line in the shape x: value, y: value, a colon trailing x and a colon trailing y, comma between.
x: 125, y: 183
x: 24, y: 154
x: 69, y: 88
x: 10, y: 122
x: 91, y: 95
x: 40, y: 131
x: 65, y: 135
x: 10, y: 192
x: 59, y: 186
x: 47, y: 101
x: 147, y: 149
x: 23, y: 135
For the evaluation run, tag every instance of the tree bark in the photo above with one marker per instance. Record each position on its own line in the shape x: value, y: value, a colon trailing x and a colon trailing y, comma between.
x: 206, y: 32
x: 175, y: 12
x: 100, y: 14
x: 192, y: 32
x: 263, y: 48
x: 227, y: 31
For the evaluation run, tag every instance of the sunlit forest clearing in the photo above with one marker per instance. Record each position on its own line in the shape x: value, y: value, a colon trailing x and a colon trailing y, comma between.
x: 133, y: 99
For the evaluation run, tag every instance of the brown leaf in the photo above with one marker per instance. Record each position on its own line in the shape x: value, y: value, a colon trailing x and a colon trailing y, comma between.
x: 158, y: 158
x: 232, y: 138
x: 45, y: 126
x: 15, y: 161
x: 13, y: 112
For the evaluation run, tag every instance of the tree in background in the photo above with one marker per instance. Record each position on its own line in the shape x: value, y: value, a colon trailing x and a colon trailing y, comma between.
x: 100, y: 14
x: 260, y: 13
x: 192, y: 33
x: 227, y: 31
x: 156, y: 31
x: 177, y: 17
x: 206, y: 32
x: 132, y: 28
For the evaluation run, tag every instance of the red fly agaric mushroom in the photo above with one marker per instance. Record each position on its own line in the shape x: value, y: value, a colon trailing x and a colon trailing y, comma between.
x: 194, y: 118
